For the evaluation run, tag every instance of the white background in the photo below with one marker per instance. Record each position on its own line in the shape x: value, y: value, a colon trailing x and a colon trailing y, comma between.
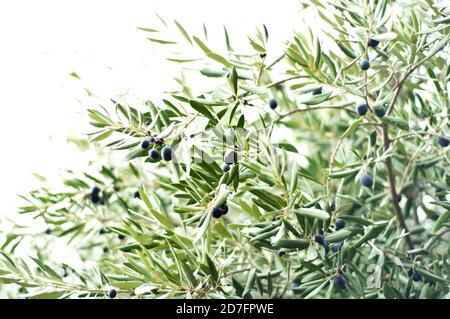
x: 43, y: 41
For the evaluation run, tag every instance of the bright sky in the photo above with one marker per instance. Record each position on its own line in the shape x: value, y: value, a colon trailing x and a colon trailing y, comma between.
x: 43, y: 41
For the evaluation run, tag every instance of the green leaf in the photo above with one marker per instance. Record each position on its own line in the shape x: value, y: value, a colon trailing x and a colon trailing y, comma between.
x: 346, y: 50
x: 213, y: 73
x: 135, y: 153
x: 388, y: 36
x: 344, y: 173
x: 338, y: 235
x: 227, y: 38
x: 318, y: 56
x: 292, y: 244
x: 183, y: 31
x: 370, y: 233
x: 249, y: 284
x: 390, y: 293
x: 75, y: 75
x: 160, y: 41
x: 429, y: 275
x: 287, y: 147
x: 398, y: 122
x: 353, y: 125
x: 234, y: 80
x: 253, y: 89
x: 202, y: 109
x: 443, y: 218
x: 147, y: 29
x: 204, y: 227
x: 312, y: 212
x: 317, y: 99
x: 317, y: 290
x: 164, y: 220
x: 445, y: 20
x: 438, y: 46
x: 102, y: 136
x: 48, y: 295
x: 222, y: 196
x: 212, y: 269
x: 211, y: 54
x: 128, y: 285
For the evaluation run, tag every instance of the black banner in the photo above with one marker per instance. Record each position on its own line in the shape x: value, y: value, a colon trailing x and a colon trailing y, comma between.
x: 170, y: 308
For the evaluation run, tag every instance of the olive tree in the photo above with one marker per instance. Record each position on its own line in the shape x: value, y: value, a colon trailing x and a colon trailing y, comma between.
x: 315, y: 169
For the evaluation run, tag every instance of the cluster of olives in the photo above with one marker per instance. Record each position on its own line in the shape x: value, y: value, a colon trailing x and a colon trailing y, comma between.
x: 320, y: 239
x: 96, y: 197
x: 219, y: 211
x: 364, y: 64
x: 155, y: 154
x: 338, y: 279
x: 362, y: 109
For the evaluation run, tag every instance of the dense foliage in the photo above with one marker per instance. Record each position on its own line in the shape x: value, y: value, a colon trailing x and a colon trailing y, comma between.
x: 315, y: 170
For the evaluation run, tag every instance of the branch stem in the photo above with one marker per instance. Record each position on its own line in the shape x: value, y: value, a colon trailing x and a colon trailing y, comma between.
x: 314, y: 108
x: 415, y: 134
x: 393, y: 191
x: 285, y: 80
